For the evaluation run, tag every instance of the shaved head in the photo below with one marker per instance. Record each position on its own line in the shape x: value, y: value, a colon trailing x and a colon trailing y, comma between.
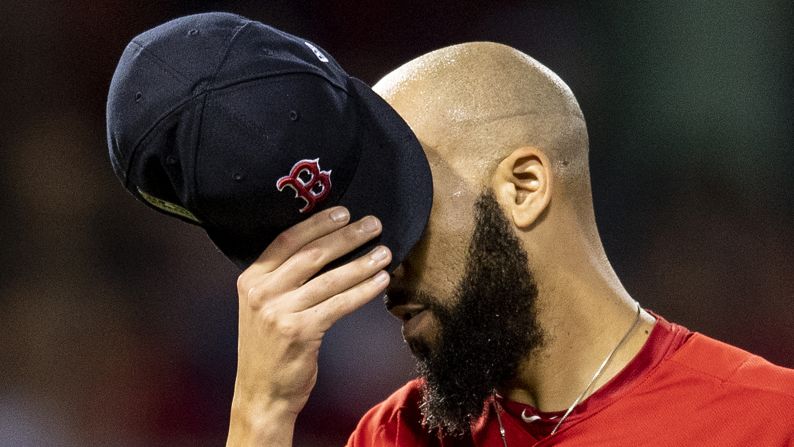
x: 510, y: 274
x: 474, y: 103
x: 505, y: 139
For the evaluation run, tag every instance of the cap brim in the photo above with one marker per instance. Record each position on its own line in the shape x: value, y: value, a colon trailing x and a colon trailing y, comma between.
x: 392, y: 182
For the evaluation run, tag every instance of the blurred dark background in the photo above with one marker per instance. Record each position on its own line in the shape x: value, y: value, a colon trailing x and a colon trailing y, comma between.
x: 118, y: 325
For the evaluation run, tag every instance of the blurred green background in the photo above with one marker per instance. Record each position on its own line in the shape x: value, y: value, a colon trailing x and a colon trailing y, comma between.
x: 119, y: 325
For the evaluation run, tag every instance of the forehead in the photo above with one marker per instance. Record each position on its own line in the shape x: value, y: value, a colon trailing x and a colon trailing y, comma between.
x: 454, y: 193
x: 450, y: 172
x: 438, y: 260
x: 447, y: 125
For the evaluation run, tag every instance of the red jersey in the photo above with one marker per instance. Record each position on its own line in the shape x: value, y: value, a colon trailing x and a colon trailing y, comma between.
x: 681, y: 389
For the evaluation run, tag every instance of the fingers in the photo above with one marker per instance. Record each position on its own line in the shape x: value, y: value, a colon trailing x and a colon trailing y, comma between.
x: 297, y: 236
x: 277, y: 283
x: 340, y: 279
x: 284, y: 316
x: 313, y: 256
x: 328, y: 312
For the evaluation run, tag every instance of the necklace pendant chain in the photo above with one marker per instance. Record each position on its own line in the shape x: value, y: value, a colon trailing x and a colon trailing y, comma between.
x: 497, y: 410
x: 599, y: 370
x: 576, y: 402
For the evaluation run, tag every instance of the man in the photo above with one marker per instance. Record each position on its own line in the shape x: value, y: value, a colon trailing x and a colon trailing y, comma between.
x: 523, y: 333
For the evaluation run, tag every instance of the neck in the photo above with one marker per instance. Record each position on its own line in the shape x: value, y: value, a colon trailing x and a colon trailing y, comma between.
x: 585, y: 312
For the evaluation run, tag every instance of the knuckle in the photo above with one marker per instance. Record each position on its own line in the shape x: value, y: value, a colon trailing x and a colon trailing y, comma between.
x: 254, y: 297
x: 270, y: 317
x: 344, y: 299
x: 257, y: 293
x: 288, y: 329
x: 302, y: 296
x: 328, y: 282
x: 243, y: 282
x: 285, y: 239
x: 313, y: 255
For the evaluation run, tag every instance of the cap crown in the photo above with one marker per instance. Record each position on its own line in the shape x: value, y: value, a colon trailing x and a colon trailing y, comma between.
x: 245, y: 130
x: 213, y: 106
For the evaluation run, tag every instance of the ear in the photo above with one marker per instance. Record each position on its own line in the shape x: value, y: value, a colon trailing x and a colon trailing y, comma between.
x: 522, y: 184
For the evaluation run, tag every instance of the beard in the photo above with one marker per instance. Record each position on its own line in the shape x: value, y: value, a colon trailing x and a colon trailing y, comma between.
x: 488, y: 331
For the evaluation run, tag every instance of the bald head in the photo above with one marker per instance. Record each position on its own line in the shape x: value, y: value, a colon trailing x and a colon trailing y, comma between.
x: 474, y: 103
x: 510, y: 271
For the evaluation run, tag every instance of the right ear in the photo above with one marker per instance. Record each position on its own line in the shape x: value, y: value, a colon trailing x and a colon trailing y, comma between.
x: 522, y: 184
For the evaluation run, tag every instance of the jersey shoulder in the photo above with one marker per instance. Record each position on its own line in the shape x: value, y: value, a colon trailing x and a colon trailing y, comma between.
x: 705, y: 393
x: 395, y: 421
x: 735, y: 368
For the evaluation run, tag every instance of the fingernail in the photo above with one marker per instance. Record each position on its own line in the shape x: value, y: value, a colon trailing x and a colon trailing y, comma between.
x: 381, y: 277
x: 370, y: 224
x: 379, y: 254
x: 339, y: 215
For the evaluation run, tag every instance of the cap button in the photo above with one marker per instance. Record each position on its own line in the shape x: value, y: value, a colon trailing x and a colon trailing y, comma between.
x: 294, y: 115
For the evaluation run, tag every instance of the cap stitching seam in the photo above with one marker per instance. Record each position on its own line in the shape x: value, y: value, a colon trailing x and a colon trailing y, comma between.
x: 195, y: 208
x: 151, y: 129
x: 163, y: 64
x: 258, y: 76
x: 185, y: 82
x: 194, y: 180
x: 165, y: 67
x: 232, y: 41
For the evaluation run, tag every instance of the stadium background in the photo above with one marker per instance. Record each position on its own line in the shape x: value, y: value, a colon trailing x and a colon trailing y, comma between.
x: 118, y: 325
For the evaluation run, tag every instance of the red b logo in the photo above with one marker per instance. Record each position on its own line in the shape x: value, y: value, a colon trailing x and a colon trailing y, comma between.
x: 308, y: 181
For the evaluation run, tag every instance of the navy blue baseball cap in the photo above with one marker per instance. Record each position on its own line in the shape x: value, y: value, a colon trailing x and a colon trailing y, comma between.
x: 245, y: 130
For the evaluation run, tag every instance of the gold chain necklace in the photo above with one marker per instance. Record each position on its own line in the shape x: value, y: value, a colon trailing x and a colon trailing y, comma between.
x: 576, y: 402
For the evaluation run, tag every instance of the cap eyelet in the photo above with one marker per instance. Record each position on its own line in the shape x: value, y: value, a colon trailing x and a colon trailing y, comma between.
x: 237, y: 177
x: 138, y: 96
x: 294, y: 115
x: 192, y: 32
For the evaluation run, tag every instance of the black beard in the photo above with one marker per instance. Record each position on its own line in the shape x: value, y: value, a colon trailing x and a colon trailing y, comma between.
x: 485, y: 335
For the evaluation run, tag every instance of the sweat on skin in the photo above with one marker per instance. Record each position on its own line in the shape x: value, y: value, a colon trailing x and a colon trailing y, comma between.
x: 491, y: 117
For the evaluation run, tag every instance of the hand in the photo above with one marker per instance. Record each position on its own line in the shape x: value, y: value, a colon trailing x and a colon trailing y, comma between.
x: 284, y: 315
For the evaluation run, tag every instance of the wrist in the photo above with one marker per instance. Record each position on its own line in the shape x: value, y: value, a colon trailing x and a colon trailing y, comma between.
x: 270, y: 426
